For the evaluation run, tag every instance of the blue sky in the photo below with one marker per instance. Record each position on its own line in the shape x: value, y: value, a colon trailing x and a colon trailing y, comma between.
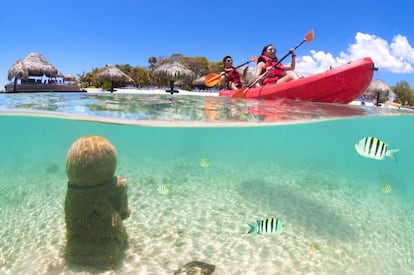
x: 77, y: 36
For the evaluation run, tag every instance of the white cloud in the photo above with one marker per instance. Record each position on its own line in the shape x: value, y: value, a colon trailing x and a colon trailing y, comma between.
x: 317, y: 62
x: 396, y: 57
x: 402, y: 49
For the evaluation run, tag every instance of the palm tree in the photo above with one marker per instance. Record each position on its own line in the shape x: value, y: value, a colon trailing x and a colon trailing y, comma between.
x: 152, y: 61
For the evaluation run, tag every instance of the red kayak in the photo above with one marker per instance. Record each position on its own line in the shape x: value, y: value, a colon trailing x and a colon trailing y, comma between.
x: 337, y: 85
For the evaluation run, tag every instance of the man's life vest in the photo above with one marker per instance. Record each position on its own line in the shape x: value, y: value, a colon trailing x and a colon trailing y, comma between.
x: 275, y: 73
x: 232, y: 77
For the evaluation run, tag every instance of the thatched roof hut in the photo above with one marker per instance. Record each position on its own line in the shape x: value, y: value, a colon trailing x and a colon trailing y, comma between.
x: 379, y: 90
x: 18, y: 71
x: 172, y: 70
x: 69, y: 77
x: 37, y: 65
x: 378, y: 86
x: 114, y: 74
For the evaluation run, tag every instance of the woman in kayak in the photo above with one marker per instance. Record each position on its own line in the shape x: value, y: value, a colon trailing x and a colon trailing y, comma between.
x: 278, y: 73
x: 231, y: 77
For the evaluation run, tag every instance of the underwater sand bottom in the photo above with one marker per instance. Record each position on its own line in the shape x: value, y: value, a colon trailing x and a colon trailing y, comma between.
x: 333, y: 224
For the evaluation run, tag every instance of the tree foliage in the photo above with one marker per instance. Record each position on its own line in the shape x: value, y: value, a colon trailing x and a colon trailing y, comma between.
x: 152, y: 61
x: 404, y: 93
x: 142, y: 76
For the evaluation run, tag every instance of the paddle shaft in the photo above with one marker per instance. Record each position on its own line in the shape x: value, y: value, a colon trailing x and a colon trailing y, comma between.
x: 245, y: 63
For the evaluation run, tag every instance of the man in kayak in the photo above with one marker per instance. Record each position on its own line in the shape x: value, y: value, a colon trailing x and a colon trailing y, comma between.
x: 278, y: 73
x: 231, y: 77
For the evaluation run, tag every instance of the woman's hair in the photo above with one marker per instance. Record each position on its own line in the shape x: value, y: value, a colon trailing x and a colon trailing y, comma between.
x: 265, y: 48
x: 224, y: 58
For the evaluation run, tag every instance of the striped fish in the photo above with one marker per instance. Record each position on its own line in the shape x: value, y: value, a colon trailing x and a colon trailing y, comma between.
x: 163, y: 189
x: 267, y: 226
x: 386, y: 189
x: 374, y: 148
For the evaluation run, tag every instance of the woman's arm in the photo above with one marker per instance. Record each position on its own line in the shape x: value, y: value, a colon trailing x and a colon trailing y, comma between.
x: 259, y: 68
x: 292, y: 62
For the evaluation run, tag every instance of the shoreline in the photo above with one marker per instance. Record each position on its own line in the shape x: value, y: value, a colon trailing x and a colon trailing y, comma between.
x: 214, y: 93
x: 159, y: 91
x: 150, y: 91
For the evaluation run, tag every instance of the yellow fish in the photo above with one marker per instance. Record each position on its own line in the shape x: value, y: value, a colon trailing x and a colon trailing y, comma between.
x: 204, y: 163
x: 386, y: 189
x: 163, y: 189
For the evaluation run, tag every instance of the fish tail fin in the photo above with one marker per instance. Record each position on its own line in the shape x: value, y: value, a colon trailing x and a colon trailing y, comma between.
x: 390, y: 153
x: 252, y: 228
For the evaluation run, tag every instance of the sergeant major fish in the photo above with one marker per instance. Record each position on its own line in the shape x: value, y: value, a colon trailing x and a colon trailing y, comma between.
x: 163, y: 189
x: 267, y: 226
x: 374, y: 148
x: 386, y: 189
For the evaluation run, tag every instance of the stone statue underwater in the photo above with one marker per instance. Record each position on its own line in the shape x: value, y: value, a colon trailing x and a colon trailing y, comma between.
x: 96, y: 203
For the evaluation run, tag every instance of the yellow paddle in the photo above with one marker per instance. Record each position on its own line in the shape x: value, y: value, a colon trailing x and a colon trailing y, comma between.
x: 213, y: 78
x: 242, y: 92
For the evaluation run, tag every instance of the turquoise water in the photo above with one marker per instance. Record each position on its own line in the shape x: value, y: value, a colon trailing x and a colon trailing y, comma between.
x: 308, y: 174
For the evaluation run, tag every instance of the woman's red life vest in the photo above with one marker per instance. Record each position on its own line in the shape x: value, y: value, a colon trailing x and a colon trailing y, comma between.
x: 275, y: 73
x: 232, y: 77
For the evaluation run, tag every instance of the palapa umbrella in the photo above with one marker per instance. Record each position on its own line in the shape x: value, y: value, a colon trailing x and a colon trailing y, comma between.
x: 69, y: 77
x: 37, y: 65
x: 114, y: 74
x: 379, y: 90
x: 172, y: 71
x: 18, y: 71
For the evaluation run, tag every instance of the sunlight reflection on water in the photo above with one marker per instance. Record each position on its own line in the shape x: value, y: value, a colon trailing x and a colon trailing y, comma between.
x: 194, y: 110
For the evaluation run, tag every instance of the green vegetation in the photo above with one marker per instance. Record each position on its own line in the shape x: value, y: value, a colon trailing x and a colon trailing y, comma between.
x: 405, y: 94
x: 143, y: 76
